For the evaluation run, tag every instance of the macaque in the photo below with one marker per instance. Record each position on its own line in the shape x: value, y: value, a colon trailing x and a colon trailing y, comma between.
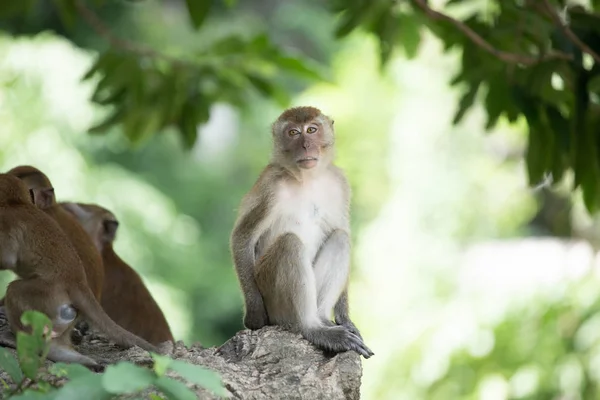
x: 125, y: 298
x: 50, y: 275
x: 291, y: 241
x: 92, y: 262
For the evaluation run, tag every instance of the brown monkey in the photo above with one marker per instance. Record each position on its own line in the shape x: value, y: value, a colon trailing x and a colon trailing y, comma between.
x: 92, y: 262
x: 125, y: 298
x: 291, y: 241
x: 51, y: 275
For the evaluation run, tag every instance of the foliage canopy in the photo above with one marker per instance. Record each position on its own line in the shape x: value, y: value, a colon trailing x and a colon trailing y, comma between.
x: 536, y: 59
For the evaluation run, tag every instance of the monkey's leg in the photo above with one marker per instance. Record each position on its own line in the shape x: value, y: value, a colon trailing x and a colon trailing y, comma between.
x: 286, y: 280
x: 287, y: 283
x: 331, y: 269
x: 35, y: 294
x: 61, y: 351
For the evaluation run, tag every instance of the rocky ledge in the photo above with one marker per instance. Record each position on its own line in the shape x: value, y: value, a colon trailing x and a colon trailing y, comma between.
x: 269, y: 363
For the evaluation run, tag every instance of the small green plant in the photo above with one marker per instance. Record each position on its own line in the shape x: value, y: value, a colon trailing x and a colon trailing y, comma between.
x: 123, y: 378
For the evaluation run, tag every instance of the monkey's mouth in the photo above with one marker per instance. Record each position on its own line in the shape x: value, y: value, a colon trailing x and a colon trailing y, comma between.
x: 307, y: 162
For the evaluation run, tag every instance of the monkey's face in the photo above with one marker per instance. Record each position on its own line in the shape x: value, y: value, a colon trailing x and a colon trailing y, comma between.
x: 306, y: 145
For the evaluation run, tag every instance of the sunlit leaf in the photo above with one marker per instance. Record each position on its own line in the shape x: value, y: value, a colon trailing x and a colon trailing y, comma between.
x: 33, y: 348
x: 9, y: 363
x: 198, y: 10
x: 199, y: 375
x: 161, y: 363
x: 69, y: 370
x: 125, y: 377
x: 84, y: 387
x: 175, y: 390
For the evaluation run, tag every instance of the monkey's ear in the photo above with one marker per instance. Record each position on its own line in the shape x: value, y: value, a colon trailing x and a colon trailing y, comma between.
x: 110, y: 230
x: 42, y: 197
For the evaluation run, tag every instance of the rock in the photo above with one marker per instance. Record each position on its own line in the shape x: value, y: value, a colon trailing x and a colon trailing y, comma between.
x: 269, y: 363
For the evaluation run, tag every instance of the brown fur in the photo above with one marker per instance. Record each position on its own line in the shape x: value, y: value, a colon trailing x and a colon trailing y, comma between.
x: 125, y: 298
x: 291, y: 243
x: 92, y: 261
x: 50, y: 273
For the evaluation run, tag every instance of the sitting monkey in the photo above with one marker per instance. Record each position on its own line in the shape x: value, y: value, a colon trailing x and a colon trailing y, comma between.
x: 291, y: 241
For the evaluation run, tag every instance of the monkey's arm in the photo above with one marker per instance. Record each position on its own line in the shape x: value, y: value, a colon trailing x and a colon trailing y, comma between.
x: 243, y: 242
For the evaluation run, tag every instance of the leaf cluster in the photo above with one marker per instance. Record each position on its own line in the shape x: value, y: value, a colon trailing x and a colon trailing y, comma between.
x: 520, y: 59
x: 148, y: 90
x: 123, y: 378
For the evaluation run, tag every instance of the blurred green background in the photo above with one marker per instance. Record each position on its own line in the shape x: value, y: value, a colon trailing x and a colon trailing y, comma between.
x: 467, y: 282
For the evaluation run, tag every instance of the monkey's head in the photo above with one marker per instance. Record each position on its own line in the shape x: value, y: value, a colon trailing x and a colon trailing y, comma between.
x: 40, y: 187
x: 13, y: 191
x: 303, y: 137
x: 100, y: 224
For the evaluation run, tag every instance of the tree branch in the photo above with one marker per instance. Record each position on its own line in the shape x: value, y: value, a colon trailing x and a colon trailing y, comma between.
x: 568, y: 32
x: 511, y: 58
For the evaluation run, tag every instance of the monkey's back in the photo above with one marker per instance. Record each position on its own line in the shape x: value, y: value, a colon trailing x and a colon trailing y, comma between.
x: 43, y: 250
x: 83, y: 245
x: 129, y: 303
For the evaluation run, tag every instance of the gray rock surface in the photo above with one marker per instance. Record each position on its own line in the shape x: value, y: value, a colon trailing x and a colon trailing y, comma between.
x: 270, y: 363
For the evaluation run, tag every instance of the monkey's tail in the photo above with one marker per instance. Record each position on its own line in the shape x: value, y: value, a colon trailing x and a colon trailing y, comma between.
x: 84, y: 300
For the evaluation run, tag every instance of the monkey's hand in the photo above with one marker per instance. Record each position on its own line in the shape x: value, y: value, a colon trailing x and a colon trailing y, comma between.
x: 256, y: 316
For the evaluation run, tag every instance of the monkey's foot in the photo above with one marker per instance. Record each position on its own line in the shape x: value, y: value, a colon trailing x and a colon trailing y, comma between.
x: 337, y: 339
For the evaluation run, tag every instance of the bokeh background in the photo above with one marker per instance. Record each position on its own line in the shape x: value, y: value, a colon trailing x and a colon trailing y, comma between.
x: 467, y: 282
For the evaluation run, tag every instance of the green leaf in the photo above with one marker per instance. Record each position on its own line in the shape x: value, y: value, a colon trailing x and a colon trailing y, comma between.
x: 10, y: 9
x: 156, y: 397
x: 161, y: 364
x: 84, y: 387
x: 560, y: 128
x: 230, y: 3
x: 198, y: 10
x: 409, y: 33
x: 466, y: 102
x: 204, y: 377
x: 112, y: 119
x: 69, y: 370
x: 67, y: 12
x: 31, y: 394
x: 348, y: 22
x: 9, y: 364
x: 175, y: 390
x: 268, y: 89
x: 299, y: 67
x: 125, y: 377
x: 105, y: 61
x: 33, y: 348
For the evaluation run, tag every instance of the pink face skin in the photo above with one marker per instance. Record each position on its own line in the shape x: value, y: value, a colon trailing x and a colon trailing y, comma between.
x: 303, y: 143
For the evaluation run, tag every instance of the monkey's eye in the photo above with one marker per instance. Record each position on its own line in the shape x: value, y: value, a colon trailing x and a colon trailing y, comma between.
x: 293, y: 132
x: 311, y: 129
x: 67, y: 313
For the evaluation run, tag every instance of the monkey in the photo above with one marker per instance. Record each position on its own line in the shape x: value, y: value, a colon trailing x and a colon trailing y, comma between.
x: 92, y: 262
x: 290, y: 243
x: 50, y: 275
x: 125, y: 298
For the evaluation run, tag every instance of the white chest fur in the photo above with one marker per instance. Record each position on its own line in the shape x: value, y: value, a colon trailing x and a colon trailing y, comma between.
x: 310, y: 210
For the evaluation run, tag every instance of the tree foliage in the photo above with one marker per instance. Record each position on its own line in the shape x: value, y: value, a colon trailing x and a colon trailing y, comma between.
x: 536, y: 59
x: 532, y: 59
